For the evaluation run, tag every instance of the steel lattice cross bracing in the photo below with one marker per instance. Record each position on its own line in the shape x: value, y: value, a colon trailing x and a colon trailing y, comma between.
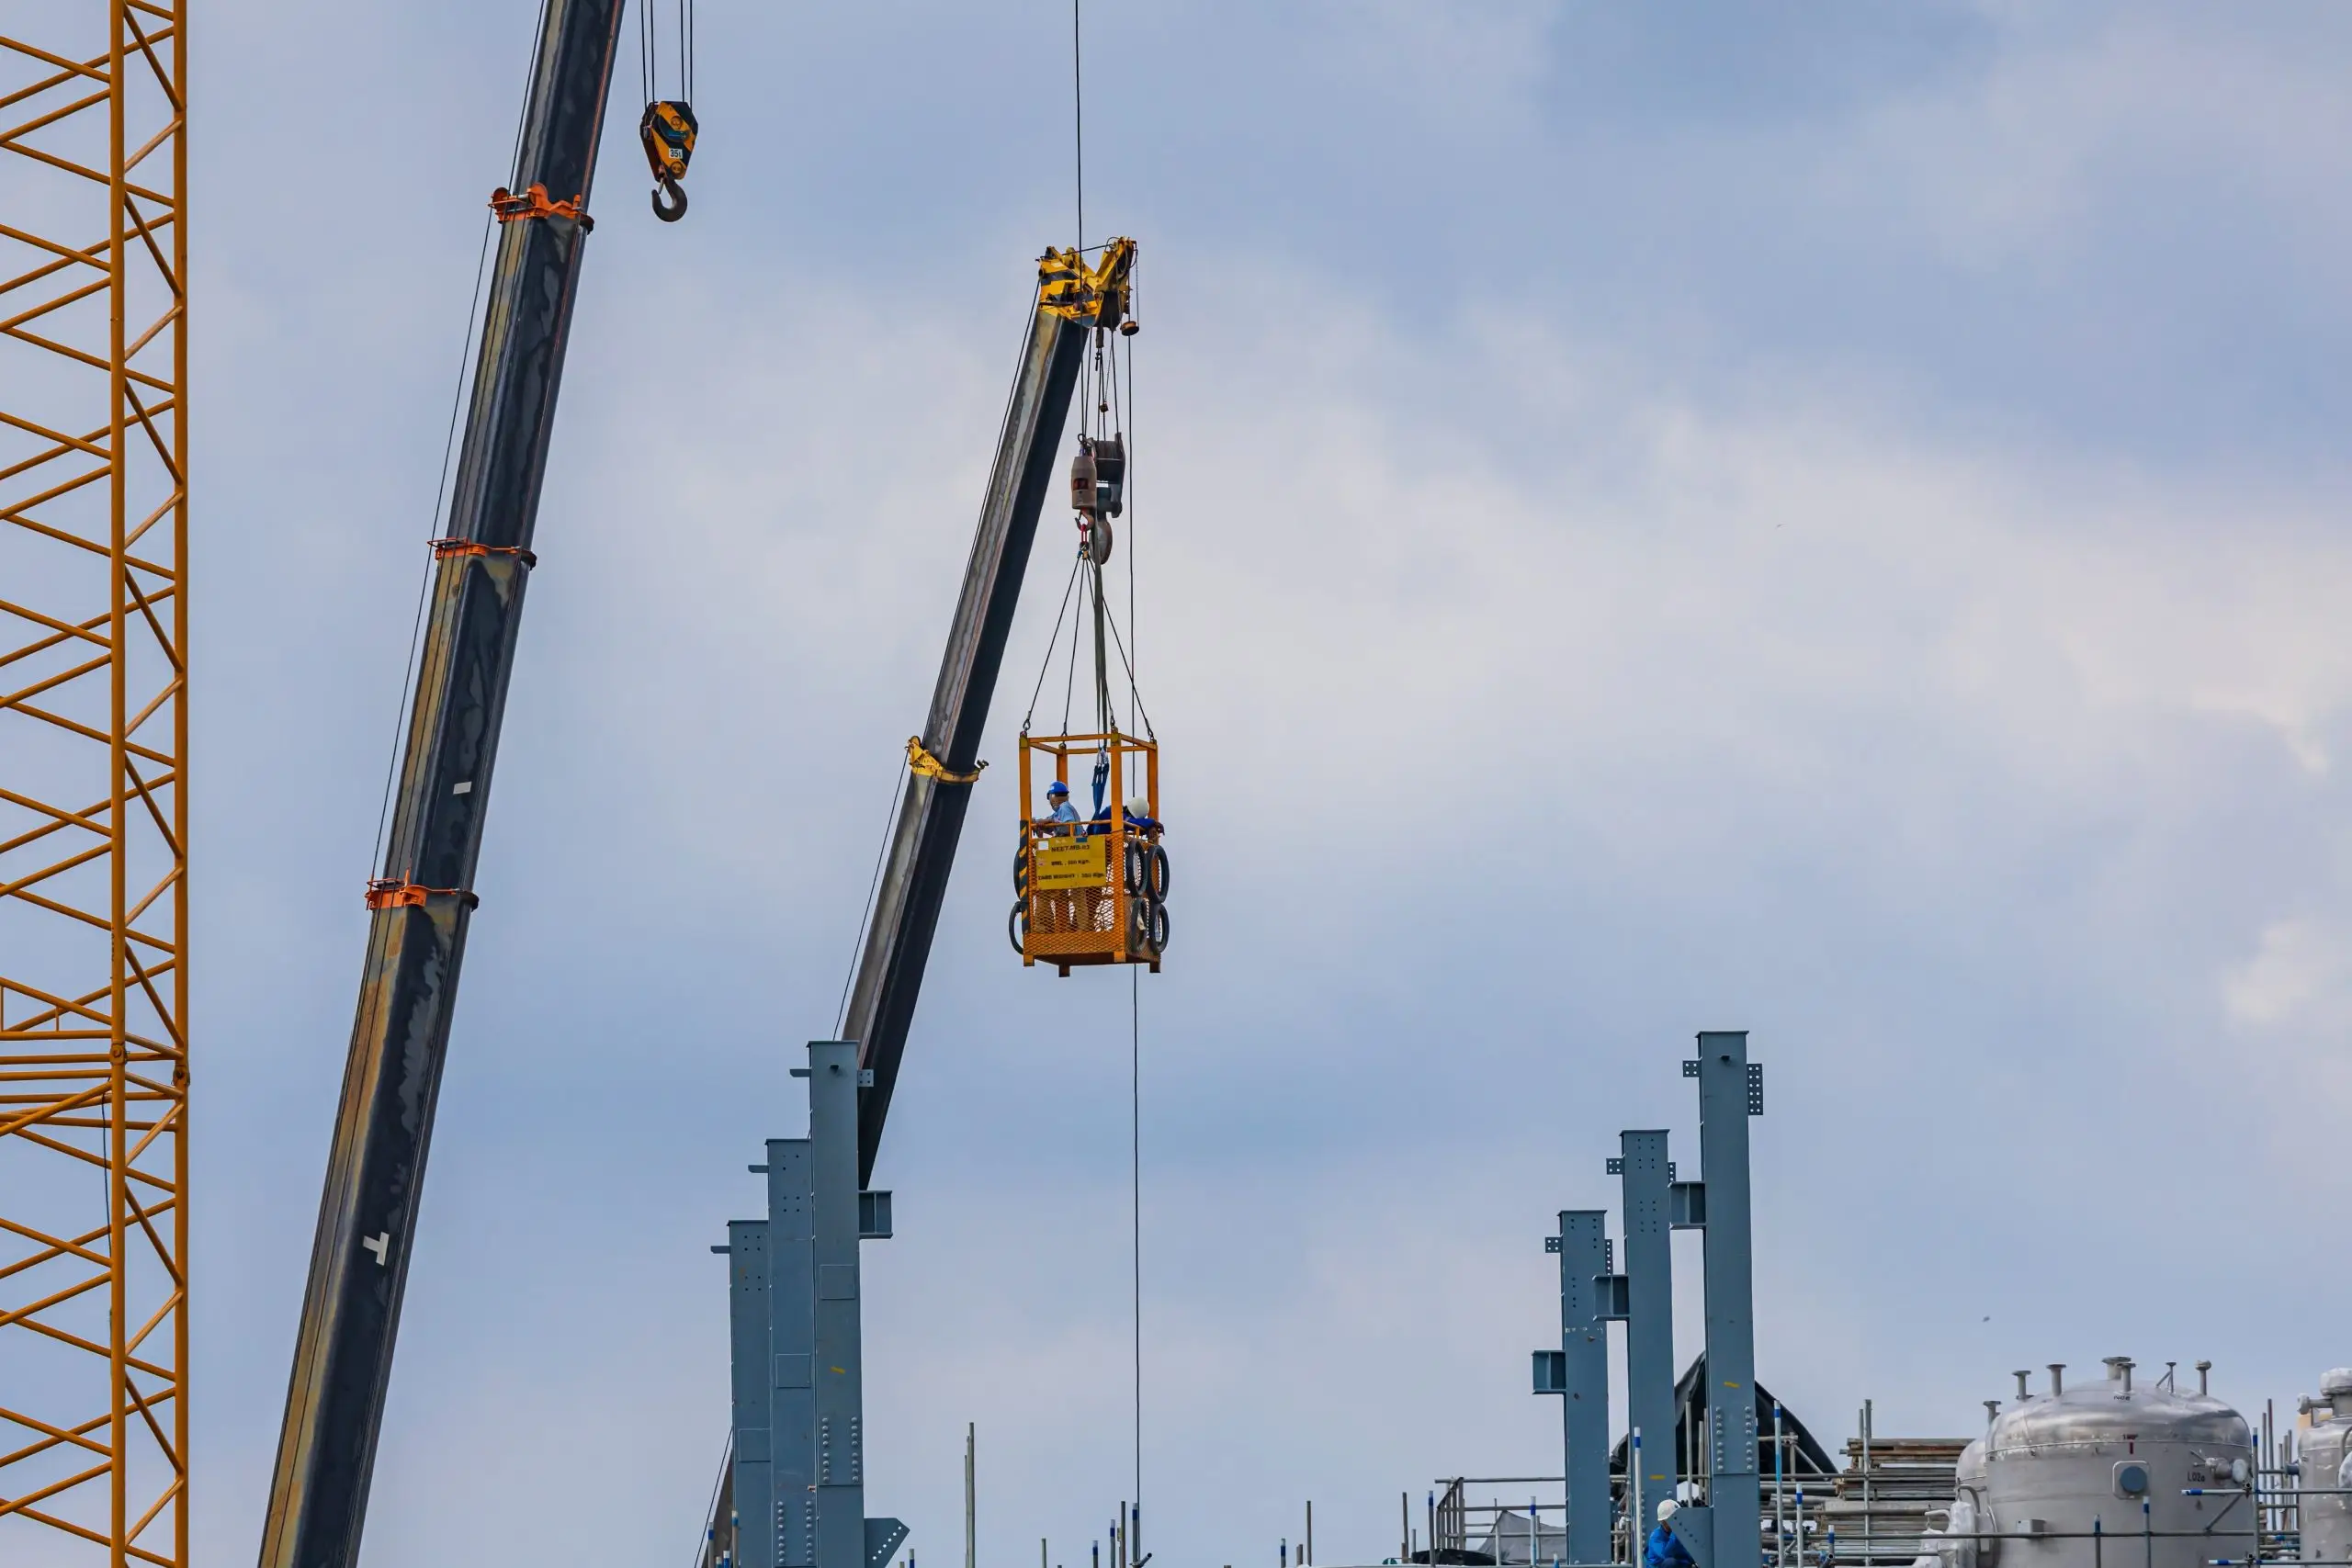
x: 93, y: 802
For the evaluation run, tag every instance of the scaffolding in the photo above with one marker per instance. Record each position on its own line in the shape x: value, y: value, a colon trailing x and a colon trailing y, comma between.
x: 93, y: 804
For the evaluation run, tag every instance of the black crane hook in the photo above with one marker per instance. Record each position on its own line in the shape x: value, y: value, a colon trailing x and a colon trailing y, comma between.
x: 668, y: 132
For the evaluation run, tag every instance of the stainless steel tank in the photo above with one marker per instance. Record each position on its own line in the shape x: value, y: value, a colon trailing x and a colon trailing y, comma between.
x: 1952, y: 1536
x: 2115, y: 1474
x: 2319, y: 1451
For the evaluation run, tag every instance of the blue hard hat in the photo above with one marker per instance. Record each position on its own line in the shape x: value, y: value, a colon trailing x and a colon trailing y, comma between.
x: 1057, y: 787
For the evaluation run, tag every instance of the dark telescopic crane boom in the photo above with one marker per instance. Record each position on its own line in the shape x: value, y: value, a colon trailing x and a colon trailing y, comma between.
x: 1074, y: 301
x: 408, y: 988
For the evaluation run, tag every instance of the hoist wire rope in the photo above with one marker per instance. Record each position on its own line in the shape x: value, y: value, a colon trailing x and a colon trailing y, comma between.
x: 1051, y: 642
x: 645, y: 47
x: 449, y: 450
x: 866, y: 910
x: 648, y: 50
x: 1078, y: 119
x: 1149, y: 733
x: 1070, y: 683
x: 1135, y: 1200
x: 1127, y: 435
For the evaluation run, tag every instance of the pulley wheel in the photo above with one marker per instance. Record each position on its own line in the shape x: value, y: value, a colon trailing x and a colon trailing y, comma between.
x: 1098, y: 542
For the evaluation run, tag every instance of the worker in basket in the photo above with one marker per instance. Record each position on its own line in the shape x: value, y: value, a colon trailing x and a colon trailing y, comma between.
x: 1058, y: 807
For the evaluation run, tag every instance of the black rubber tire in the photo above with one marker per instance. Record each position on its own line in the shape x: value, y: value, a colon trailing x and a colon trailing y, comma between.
x: 1016, y: 926
x: 1139, y: 923
x: 1146, y: 920
x: 1159, y: 874
x: 1138, y: 867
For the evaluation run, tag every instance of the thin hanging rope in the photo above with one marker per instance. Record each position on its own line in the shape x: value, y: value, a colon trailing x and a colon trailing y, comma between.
x: 1070, y: 683
x: 1140, y: 713
x: 1078, y: 119
x: 1134, y: 1195
x: 889, y: 824
x: 1044, y: 668
x: 440, y: 500
x: 1126, y: 434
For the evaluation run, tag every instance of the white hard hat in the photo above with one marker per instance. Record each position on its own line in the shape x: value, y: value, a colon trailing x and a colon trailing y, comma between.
x: 1665, y: 1510
x: 1138, y: 807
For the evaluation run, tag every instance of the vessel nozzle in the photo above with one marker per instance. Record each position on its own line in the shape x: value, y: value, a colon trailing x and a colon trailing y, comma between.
x: 2057, y: 1379
x: 2202, y: 1367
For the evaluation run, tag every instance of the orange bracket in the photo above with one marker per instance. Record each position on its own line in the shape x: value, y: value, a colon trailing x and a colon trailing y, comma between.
x: 399, y: 893
x: 442, y: 549
x: 534, y: 203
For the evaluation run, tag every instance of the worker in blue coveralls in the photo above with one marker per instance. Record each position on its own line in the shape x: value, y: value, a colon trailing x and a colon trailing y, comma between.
x: 1059, y: 911
x: 1664, y: 1551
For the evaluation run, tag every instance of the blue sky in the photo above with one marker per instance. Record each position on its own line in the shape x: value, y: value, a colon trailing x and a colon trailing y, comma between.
x: 1820, y: 521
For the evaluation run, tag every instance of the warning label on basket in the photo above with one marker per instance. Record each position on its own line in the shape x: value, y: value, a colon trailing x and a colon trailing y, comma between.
x: 1083, y: 862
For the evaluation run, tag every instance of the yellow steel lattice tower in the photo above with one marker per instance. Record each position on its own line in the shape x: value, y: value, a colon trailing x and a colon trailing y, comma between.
x: 93, y: 793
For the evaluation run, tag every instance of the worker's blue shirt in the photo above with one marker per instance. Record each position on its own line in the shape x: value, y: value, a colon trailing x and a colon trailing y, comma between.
x: 1666, y: 1551
x: 1063, y: 811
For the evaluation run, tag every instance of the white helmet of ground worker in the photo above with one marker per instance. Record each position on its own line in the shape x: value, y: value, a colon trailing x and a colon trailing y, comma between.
x: 1665, y: 1510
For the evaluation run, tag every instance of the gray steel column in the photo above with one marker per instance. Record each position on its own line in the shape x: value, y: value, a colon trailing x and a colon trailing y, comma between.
x: 1584, y: 1410
x: 416, y: 937
x: 1731, y: 1090
x: 1649, y: 1319
x: 839, y: 1375
x: 747, y: 1325
x: 792, y: 1343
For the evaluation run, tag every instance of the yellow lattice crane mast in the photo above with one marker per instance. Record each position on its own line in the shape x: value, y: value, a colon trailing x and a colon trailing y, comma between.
x: 94, y: 980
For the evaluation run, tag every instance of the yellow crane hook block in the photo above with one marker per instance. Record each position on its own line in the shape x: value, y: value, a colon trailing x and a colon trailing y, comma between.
x: 1090, y: 890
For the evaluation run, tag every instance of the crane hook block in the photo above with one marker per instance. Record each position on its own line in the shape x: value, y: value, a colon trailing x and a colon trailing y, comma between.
x: 668, y: 130
x: 1098, y: 477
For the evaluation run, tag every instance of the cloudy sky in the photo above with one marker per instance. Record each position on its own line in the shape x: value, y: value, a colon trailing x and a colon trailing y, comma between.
x: 1824, y: 521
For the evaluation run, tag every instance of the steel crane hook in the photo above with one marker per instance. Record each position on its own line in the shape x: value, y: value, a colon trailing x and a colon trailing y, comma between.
x: 677, y: 209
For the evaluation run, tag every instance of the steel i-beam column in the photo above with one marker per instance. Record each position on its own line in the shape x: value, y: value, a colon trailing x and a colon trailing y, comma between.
x: 1584, y: 1408
x: 792, y: 1350
x: 368, y: 1214
x: 1731, y: 1090
x: 1649, y: 1318
x: 748, y: 1294
x: 844, y: 1537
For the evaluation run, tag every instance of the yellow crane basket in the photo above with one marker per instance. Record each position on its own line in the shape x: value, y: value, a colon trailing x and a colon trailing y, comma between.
x: 1093, y: 890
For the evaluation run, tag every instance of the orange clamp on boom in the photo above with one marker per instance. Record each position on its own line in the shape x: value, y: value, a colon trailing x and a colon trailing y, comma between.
x: 534, y: 203
x: 400, y: 893
x: 443, y: 548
